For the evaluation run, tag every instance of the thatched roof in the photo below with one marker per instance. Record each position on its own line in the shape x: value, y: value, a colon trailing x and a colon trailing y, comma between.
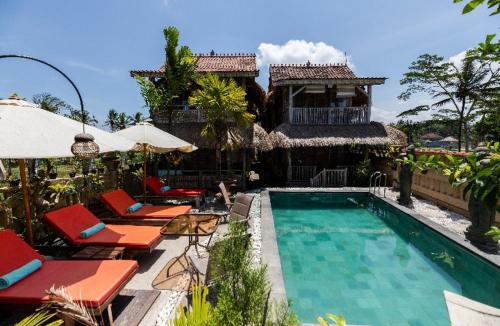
x: 431, y: 136
x: 374, y: 134
x: 252, y: 137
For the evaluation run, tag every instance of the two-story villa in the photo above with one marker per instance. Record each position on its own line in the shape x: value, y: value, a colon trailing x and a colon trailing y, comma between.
x: 187, y: 122
x: 320, y: 117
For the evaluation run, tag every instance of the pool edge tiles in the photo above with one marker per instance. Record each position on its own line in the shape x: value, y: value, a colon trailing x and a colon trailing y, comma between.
x: 271, y: 249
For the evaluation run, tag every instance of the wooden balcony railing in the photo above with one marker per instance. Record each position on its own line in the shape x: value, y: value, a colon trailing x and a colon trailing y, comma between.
x: 330, y: 116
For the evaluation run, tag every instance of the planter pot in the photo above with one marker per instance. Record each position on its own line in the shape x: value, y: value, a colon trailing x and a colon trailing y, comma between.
x: 53, y: 175
x: 482, y: 218
x: 14, y: 183
x: 93, y: 171
x: 405, y: 181
x: 72, y: 174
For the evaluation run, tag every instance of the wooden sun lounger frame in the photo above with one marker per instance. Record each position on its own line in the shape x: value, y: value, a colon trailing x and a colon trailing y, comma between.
x: 198, y: 200
x: 96, y: 311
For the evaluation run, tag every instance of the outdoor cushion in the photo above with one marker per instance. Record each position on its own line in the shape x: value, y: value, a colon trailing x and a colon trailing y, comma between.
x: 89, y: 281
x: 164, y: 188
x: 129, y: 236
x: 14, y: 252
x: 19, y: 273
x: 155, y: 185
x: 119, y: 201
x: 72, y: 220
x: 134, y: 208
x: 87, y: 233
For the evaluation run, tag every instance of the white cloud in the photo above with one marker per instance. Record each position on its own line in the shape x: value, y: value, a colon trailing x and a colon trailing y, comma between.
x: 92, y: 68
x: 300, y: 51
x: 458, y: 58
x: 382, y: 115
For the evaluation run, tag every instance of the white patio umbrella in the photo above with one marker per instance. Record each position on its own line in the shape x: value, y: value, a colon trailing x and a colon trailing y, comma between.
x: 28, y: 132
x: 150, y: 138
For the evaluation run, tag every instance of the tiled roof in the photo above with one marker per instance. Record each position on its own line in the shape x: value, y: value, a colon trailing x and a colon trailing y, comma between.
x: 238, y: 63
x: 310, y: 71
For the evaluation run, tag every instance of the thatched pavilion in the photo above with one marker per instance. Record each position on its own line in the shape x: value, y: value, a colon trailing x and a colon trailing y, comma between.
x: 320, y: 122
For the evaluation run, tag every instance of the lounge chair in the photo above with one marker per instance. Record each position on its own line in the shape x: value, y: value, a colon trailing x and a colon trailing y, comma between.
x: 72, y: 220
x: 240, y: 210
x: 225, y: 195
x: 95, y: 283
x: 155, y: 186
x: 119, y: 202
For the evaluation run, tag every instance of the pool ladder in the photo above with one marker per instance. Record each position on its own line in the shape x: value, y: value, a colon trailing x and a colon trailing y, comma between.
x: 376, y: 182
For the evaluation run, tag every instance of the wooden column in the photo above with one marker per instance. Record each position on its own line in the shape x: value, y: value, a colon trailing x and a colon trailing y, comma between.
x: 244, y: 168
x: 144, y: 166
x: 289, y: 164
x: 26, y: 200
x: 369, y: 103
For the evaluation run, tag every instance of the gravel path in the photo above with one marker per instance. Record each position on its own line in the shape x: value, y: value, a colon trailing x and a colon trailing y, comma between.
x: 454, y: 222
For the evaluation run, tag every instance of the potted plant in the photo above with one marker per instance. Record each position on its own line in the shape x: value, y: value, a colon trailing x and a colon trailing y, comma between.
x: 479, y: 172
x: 75, y: 166
x: 53, y: 173
x: 408, y: 165
x: 13, y: 181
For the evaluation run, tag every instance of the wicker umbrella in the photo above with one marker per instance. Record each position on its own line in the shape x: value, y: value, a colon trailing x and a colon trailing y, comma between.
x: 28, y: 132
x: 149, y: 138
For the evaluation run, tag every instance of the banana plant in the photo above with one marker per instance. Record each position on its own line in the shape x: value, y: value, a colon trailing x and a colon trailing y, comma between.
x: 41, y: 318
x: 338, y: 320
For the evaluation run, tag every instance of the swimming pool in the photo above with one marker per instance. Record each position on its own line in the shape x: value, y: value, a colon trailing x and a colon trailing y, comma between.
x: 355, y: 255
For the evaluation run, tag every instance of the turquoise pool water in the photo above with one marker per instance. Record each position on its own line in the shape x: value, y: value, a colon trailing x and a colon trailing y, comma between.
x: 370, y: 262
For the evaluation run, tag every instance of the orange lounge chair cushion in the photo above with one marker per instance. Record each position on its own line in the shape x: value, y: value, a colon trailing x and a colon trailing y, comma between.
x: 89, y: 281
x: 14, y: 252
x: 72, y: 220
x: 119, y: 201
x: 129, y: 236
x: 155, y: 185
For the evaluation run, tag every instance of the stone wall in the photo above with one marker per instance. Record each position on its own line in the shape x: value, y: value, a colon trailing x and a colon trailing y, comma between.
x: 436, y: 188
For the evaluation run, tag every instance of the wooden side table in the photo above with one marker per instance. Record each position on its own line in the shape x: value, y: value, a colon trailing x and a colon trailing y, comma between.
x: 100, y: 253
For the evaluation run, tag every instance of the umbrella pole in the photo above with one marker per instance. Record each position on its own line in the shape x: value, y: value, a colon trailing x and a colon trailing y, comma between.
x: 26, y: 200
x: 144, y: 168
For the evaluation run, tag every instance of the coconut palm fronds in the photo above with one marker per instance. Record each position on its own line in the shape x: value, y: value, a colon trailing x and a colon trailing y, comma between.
x: 41, y: 318
x: 65, y: 305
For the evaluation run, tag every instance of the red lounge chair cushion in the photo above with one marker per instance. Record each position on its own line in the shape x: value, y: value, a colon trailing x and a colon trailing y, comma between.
x: 72, y: 220
x: 14, y: 252
x: 155, y: 185
x: 89, y: 281
x: 119, y: 201
x: 129, y: 236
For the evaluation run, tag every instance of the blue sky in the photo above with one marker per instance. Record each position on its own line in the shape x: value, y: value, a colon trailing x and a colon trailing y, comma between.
x: 97, y: 42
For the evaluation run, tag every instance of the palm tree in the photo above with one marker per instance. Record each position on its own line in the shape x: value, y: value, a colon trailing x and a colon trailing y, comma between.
x: 224, y: 108
x: 123, y: 121
x: 50, y: 103
x: 179, y: 74
x: 111, y: 119
x: 138, y: 117
x: 458, y: 90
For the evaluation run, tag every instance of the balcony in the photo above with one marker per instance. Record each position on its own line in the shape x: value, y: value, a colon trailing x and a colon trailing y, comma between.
x: 330, y: 116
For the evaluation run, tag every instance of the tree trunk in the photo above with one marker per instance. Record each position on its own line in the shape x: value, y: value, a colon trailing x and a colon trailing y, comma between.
x: 218, y: 161
x: 460, y: 121
x: 466, y: 136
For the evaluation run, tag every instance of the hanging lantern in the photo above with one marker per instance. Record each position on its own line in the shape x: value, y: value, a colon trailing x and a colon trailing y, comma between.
x: 84, y: 146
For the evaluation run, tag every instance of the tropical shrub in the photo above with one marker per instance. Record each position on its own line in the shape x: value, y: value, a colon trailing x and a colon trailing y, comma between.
x: 198, y: 314
x: 242, y: 288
